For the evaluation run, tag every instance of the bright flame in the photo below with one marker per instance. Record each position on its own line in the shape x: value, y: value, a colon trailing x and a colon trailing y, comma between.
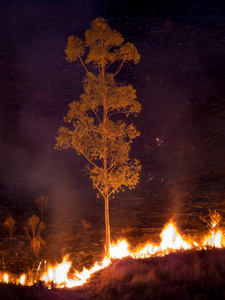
x: 22, y: 279
x: 119, y: 250
x: 213, y: 240
x: 147, y: 251
x: 59, y: 274
x: 6, y: 278
x: 170, y: 240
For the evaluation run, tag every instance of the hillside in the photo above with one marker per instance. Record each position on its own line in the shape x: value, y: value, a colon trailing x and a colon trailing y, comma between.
x: 186, y: 275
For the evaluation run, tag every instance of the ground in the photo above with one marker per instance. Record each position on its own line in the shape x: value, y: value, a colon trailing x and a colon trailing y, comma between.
x: 182, y: 275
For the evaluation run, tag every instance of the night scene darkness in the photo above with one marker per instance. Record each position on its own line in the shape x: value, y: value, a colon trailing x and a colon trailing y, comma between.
x: 180, y: 84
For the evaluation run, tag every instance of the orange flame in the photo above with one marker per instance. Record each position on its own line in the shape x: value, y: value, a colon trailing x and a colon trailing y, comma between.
x: 170, y: 240
x: 59, y: 274
x: 213, y: 240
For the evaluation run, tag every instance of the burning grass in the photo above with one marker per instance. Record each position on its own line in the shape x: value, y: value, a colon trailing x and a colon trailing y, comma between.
x: 61, y: 276
x: 182, y: 275
x: 171, y: 240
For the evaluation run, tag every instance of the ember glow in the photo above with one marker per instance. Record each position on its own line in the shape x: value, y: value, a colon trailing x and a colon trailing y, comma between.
x: 171, y: 240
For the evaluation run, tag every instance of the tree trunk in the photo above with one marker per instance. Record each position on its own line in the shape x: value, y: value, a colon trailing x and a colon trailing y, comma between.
x: 107, y: 227
x: 105, y: 165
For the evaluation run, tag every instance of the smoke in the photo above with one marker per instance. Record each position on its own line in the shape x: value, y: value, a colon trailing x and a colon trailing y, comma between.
x: 37, y: 84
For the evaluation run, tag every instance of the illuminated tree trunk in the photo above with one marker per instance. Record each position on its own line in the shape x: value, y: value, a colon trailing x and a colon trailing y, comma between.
x: 106, y: 198
x: 105, y: 166
x: 107, y: 227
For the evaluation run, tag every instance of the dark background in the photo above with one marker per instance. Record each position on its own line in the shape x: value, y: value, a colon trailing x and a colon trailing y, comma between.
x: 180, y: 83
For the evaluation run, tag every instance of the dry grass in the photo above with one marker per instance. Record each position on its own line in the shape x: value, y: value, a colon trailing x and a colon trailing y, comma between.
x: 189, y: 275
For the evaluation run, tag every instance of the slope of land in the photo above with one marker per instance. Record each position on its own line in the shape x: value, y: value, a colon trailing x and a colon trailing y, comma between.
x: 182, y: 275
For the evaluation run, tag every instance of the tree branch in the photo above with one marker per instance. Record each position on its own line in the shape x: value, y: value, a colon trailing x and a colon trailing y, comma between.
x: 111, y: 63
x: 83, y: 64
x: 99, y: 190
x: 90, y: 161
x: 93, y: 143
x: 119, y: 68
x: 118, y: 112
x: 116, y: 188
x: 95, y: 113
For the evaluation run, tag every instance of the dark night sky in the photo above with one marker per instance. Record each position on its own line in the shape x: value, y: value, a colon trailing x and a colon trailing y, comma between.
x: 180, y: 83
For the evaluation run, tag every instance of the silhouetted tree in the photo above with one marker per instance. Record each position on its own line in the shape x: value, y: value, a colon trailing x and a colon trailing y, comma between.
x: 10, y: 225
x: 97, y: 127
x: 41, y: 204
x: 33, y: 229
x: 212, y: 219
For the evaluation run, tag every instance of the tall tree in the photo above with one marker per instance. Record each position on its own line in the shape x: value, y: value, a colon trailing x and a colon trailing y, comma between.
x: 96, y: 123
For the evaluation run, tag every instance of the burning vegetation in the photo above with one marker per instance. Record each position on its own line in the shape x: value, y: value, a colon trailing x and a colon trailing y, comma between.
x: 63, y: 275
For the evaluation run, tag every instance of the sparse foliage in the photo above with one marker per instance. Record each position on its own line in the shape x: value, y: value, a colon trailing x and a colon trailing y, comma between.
x: 213, y: 219
x: 96, y: 124
x: 41, y: 204
x: 10, y: 225
x: 33, y: 229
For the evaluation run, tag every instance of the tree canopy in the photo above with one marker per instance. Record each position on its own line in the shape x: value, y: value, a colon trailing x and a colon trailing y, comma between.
x: 97, y: 127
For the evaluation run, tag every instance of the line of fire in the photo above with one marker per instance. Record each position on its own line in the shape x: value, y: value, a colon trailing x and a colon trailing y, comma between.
x: 60, y: 275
